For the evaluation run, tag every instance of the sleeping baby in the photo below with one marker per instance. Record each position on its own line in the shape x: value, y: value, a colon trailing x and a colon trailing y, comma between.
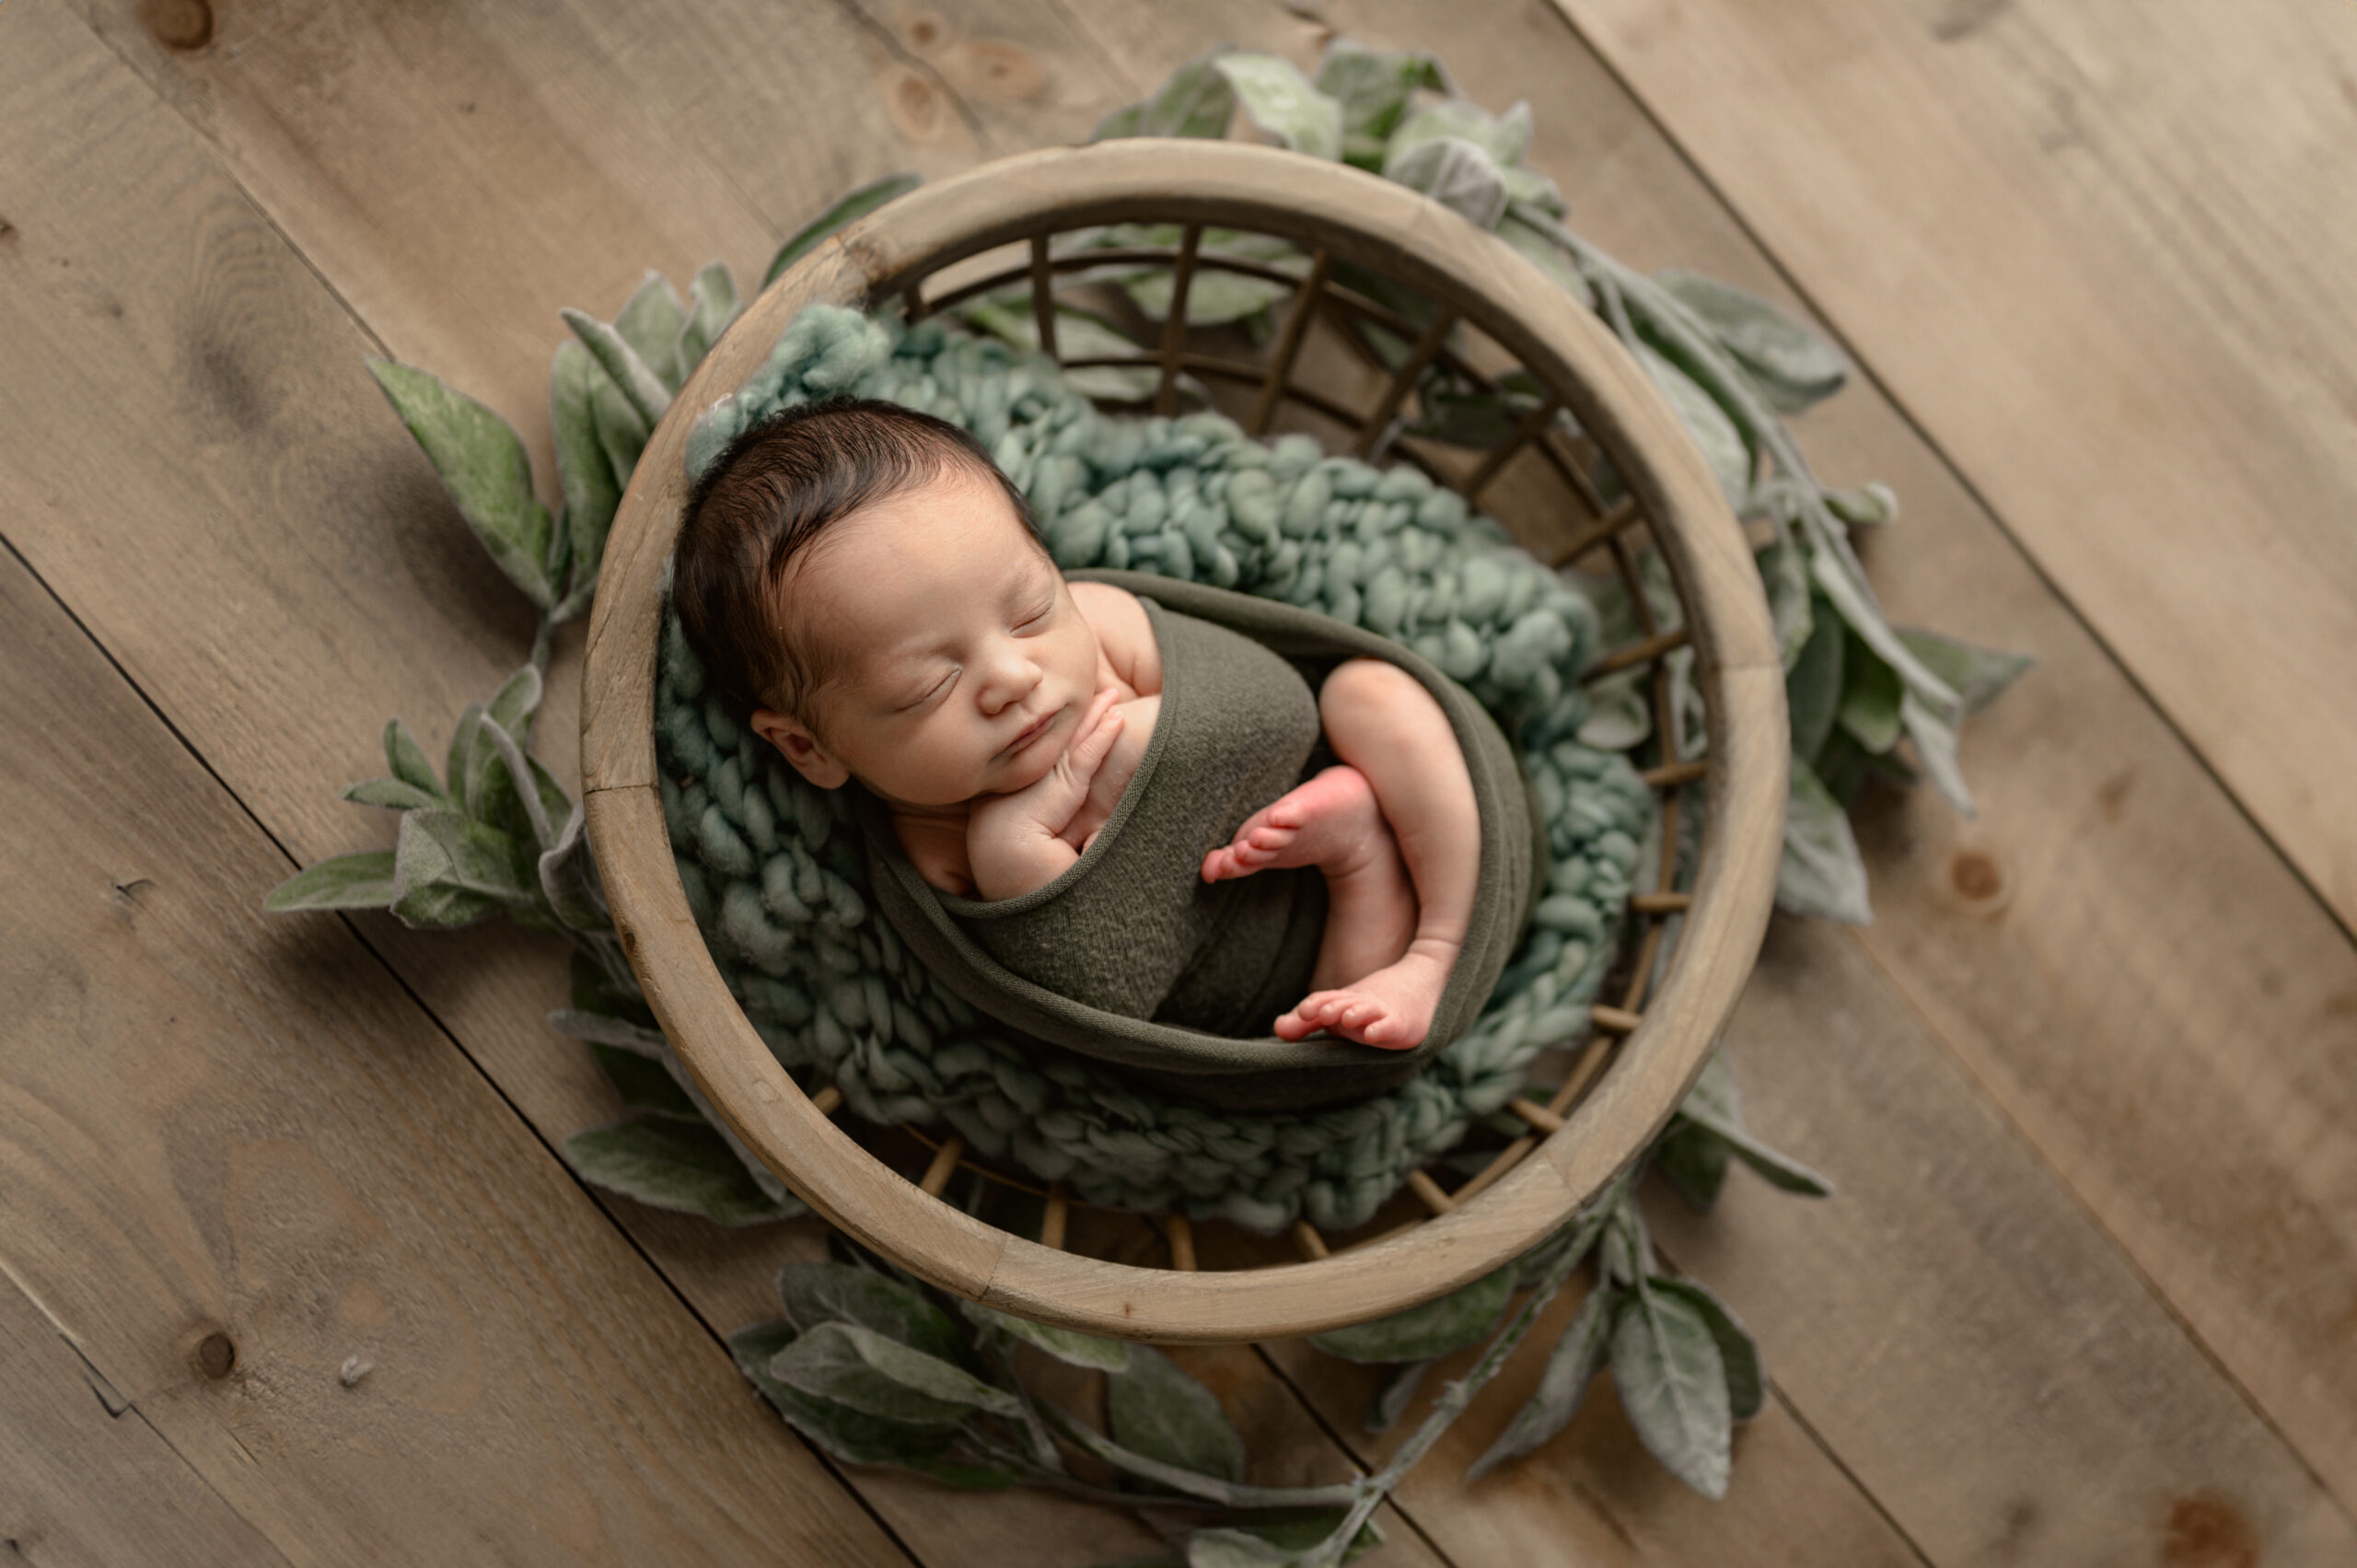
x: 864, y: 579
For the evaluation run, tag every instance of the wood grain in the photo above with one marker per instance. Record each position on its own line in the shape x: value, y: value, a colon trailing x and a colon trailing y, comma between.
x: 223, y: 1147
x: 2103, y: 255
x: 85, y: 1486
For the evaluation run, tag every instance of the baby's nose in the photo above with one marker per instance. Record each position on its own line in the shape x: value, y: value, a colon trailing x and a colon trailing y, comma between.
x: 1010, y: 678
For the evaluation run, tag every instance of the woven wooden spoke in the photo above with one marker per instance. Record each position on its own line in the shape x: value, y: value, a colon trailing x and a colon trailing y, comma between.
x: 1609, y: 455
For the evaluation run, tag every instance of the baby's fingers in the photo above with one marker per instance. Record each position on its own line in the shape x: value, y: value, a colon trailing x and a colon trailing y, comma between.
x: 1088, y: 753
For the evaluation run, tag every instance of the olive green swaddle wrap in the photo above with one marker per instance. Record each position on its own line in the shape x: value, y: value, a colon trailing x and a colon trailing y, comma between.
x: 1131, y: 958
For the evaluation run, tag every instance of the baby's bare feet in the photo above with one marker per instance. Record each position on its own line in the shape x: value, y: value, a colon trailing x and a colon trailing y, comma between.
x: 1391, y: 1008
x: 1332, y: 822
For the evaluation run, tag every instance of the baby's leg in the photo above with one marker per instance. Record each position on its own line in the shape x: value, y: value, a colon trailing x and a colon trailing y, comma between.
x: 1394, y: 736
x: 1333, y: 823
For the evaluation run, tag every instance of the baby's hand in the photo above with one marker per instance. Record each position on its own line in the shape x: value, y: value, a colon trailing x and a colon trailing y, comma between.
x: 1016, y: 842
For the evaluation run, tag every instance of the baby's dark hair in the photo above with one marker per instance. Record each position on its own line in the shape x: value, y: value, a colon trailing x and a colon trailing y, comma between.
x: 773, y: 491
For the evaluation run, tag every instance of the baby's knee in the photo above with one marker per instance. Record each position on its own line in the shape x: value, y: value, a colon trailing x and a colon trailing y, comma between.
x: 1365, y: 689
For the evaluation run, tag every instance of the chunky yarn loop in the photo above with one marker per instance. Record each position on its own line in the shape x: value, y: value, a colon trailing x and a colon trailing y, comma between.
x: 775, y: 874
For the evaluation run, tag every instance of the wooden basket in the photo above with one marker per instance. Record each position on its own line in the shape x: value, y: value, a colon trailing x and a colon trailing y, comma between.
x: 1496, y: 311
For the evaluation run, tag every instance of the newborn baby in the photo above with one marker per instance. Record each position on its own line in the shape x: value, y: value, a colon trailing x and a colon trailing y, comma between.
x: 865, y: 581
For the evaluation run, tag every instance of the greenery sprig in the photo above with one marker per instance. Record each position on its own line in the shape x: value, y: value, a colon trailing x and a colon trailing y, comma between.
x: 867, y: 1362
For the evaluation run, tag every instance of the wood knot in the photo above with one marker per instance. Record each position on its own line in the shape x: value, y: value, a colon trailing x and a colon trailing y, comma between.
x: 2206, y: 1530
x: 997, y: 69
x: 923, y: 31
x: 1976, y: 876
x: 216, y: 1355
x: 177, y: 24
x: 914, y: 106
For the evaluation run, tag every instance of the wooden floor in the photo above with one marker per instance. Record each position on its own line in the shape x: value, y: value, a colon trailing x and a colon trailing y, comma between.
x: 2088, y: 1291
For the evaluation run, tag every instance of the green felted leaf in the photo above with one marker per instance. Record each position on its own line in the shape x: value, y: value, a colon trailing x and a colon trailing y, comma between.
x: 1465, y: 417
x: 1550, y: 259
x: 670, y: 1163
x: 1723, y: 444
x: 1452, y: 172
x: 1673, y: 1385
x: 1837, y: 573
x: 591, y: 990
x: 1214, y: 298
x: 621, y: 431
x: 1571, y: 1366
x: 1282, y: 101
x: 1935, y: 742
x: 1870, y: 694
x: 1562, y: 1251
x: 1779, y: 1171
x: 1374, y: 86
x: 1793, y: 364
x: 518, y: 700
x: 644, y: 1084
x: 1977, y: 674
x: 640, y: 387
x: 569, y: 877
x: 850, y: 208
x: 966, y: 1475
x: 483, y: 467
x: 1821, y: 873
x: 1067, y: 1345
x: 711, y: 305
x: 1813, y: 687
x: 850, y: 1435
x: 1693, y: 1161
x: 1783, y: 572
x: 1391, y: 1396
x: 438, y: 906
x: 1871, y: 505
x: 651, y: 322
x: 586, y: 474
x: 1193, y: 100
x: 1506, y: 137
x: 1285, y: 1541
x: 817, y: 1292
x: 1619, y: 713
x: 446, y: 849
x: 396, y: 795
x: 1529, y: 189
x: 1452, y: 1322
x: 362, y: 882
x: 1119, y: 123
x: 1079, y: 335
x: 407, y: 759
x: 462, y: 746
x: 1156, y: 1410
x: 1739, y: 1353
x: 851, y: 1365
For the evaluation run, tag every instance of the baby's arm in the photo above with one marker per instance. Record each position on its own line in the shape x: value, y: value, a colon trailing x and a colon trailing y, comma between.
x: 1018, y: 841
x: 1124, y: 636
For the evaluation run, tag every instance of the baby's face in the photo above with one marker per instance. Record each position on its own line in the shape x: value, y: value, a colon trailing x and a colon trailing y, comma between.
x: 962, y: 664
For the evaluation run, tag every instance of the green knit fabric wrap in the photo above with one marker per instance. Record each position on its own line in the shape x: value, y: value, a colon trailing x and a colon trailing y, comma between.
x: 774, y: 871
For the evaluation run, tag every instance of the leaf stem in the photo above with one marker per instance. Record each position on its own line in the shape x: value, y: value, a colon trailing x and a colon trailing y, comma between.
x: 1209, y: 1488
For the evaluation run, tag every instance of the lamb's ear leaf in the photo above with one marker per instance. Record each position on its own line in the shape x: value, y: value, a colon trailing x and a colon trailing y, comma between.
x: 1821, y: 873
x: 1283, y: 1541
x: 362, y: 882
x: 407, y: 759
x: 1693, y: 1159
x: 1121, y: 122
x: 569, y: 876
x: 1723, y: 444
x: 583, y: 468
x: 650, y: 322
x: 1390, y: 1400
x: 644, y: 1084
x: 483, y: 467
x: 849, y: 1435
x: 1156, y: 1409
x: 1777, y: 1168
x: 1978, y: 674
x: 1455, y: 172
x: 1673, y: 1385
x: 462, y: 746
x: 1571, y: 1366
x: 858, y: 204
x: 711, y: 305
x: 872, y: 1372
x: 639, y: 386
x: 815, y: 1293
x: 1374, y: 86
x: 1193, y: 100
x: 1870, y: 691
x: 394, y: 795
x: 518, y: 700
x: 1813, y: 687
x: 669, y: 1163
x: 445, y: 848
x: 1067, y: 1345
x: 1793, y: 363
x: 1738, y: 1352
x: 1281, y: 101
x: 1434, y: 1328
x: 1506, y: 137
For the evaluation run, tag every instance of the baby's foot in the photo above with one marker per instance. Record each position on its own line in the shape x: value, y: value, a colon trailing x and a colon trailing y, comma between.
x: 1332, y: 822
x: 1392, y: 1007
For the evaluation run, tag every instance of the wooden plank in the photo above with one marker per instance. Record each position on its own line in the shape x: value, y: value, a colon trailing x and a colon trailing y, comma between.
x: 1984, y: 1360
x: 361, y: 652
x: 2105, y: 259
x: 225, y: 1147
x: 86, y: 1481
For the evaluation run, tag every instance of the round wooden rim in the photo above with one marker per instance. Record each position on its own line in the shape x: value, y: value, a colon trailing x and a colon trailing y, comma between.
x: 1375, y: 222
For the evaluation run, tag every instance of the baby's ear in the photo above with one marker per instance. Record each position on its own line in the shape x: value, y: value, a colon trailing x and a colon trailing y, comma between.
x: 793, y: 740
